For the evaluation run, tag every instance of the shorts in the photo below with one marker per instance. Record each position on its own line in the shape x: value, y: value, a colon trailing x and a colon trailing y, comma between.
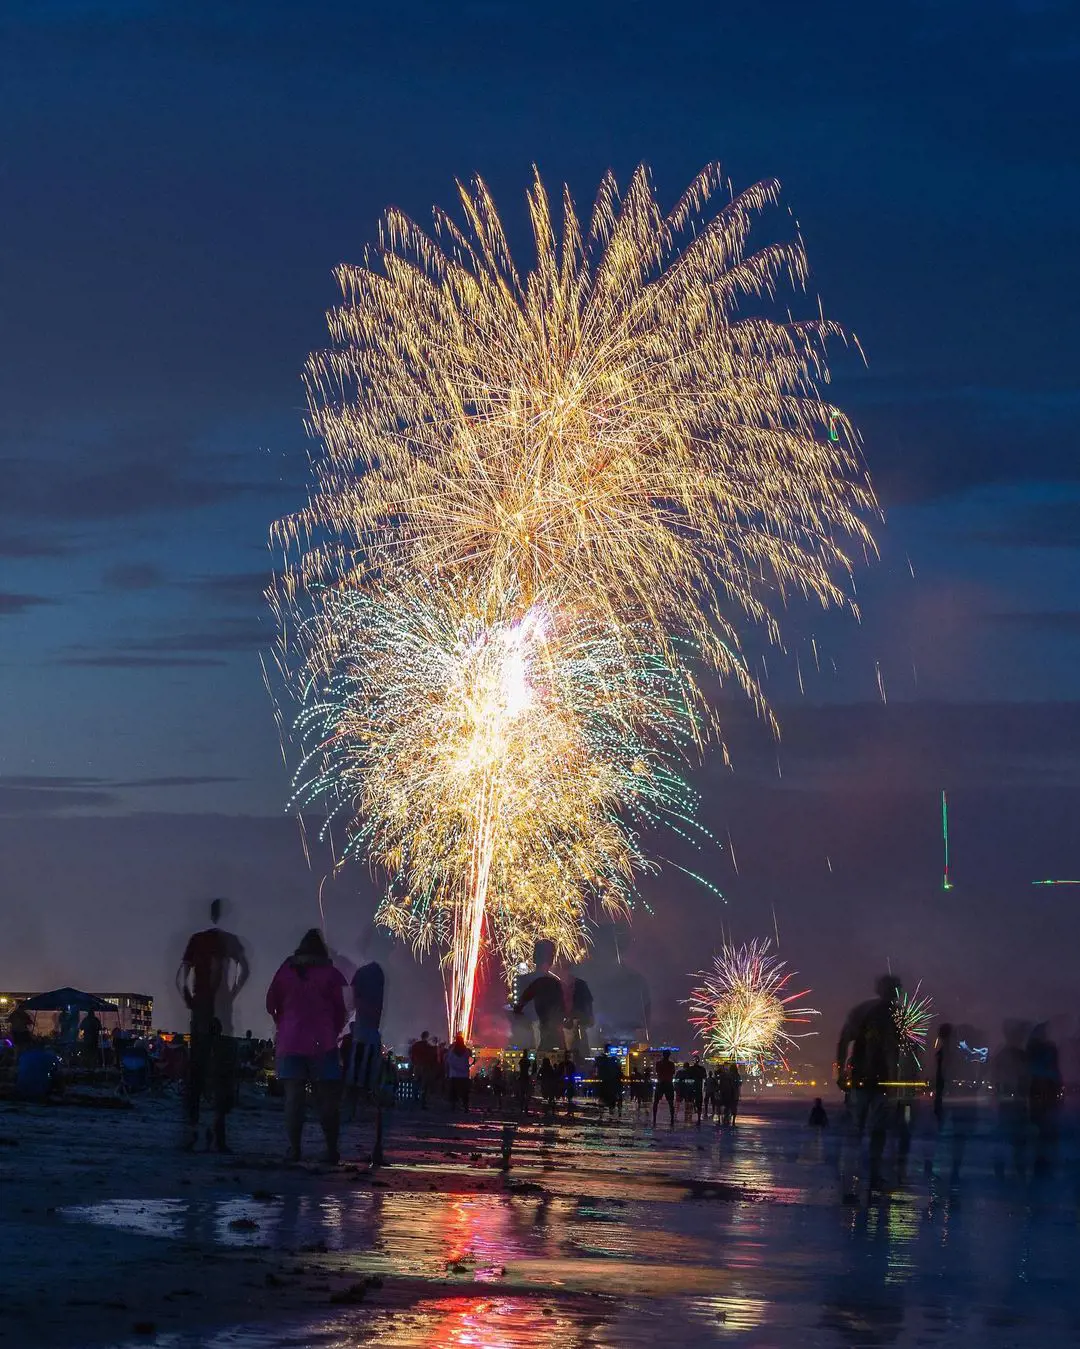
x: 365, y: 1060
x: 309, y: 1067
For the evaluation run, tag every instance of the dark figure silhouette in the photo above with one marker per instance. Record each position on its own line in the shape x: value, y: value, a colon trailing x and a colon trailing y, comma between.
x: 213, y: 970
x: 665, y: 1085
x: 545, y: 992
x: 868, y: 1055
x: 818, y: 1118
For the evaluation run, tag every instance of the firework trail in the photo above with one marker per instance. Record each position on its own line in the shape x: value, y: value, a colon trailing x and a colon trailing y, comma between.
x: 742, y: 1008
x: 610, y: 444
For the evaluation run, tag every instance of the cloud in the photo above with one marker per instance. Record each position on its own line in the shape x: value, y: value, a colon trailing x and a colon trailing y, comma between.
x: 231, y: 634
x: 75, y: 491
x: 30, y: 795
x: 184, y: 649
x: 12, y: 603
x: 244, y: 589
x: 1051, y: 524
x: 903, y: 746
x: 180, y: 780
x: 133, y: 576
x: 119, y: 660
x: 1060, y: 622
x: 16, y: 546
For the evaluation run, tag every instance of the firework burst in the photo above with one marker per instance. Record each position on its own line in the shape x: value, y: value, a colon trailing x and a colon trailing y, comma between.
x: 742, y: 1008
x: 912, y: 1015
x: 608, y: 457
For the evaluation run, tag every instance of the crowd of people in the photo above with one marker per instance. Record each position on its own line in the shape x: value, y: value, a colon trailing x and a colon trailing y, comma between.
x: 328, y: 1049
x: 882, y: 1077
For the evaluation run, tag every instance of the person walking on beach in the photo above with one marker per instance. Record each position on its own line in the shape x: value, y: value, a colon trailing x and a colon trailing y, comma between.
x: 549, y: 1085
x: 569, y: 1081
x: 695, y: 1079
x: 1011, y: 1081
x: 1044, y: 1097
x: 665, y: 1086
x: 365, y: 1045
x: 608, y: 1083
x: 868, y: 1055
x: 525, y: 1082
x: 458, y: 1066
x: 306, y: 999
x: 424, y: 1061
x: 728, y: 1083
x: 498, y: 1085
x: 213, y: 970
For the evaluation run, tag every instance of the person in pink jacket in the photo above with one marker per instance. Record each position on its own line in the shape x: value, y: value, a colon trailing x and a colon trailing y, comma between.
x: 306, y: 999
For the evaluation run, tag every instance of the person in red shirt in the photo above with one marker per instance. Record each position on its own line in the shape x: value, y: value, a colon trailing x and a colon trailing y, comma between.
x: 213, y: 970
x: 665, y: 1085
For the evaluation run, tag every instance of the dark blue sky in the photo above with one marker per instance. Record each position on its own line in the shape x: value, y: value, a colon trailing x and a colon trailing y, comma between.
x: 177, y: 181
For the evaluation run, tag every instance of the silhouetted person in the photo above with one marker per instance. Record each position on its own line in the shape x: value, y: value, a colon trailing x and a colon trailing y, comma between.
x: 424, y: 1060
x: 695, y: 1079
x: 1012, y: 1088
x: 498, y: 1085
x: 569, y: 1081
x: 868, y: 1055
x: 458, y: 1066
x: 213, y: 970
x: 524, y: 1082
x: 1044, y: 1096
x: 306, y: 999
x: 579, y: 1017
x: 21, y: 1028
x: 364, y: 1070
x: 549, y: 1085
x: 729, y: 1090
x: 91, y: 1040
x: 818, y: 1118
x: 545, y: 992
x: 608, y: 1071
x: 951, y: 1109
x: 665, y: 1086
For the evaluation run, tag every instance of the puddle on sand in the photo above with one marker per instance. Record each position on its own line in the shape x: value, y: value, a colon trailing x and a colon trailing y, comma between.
x: 603, y: 1256
x: 476, y: 1322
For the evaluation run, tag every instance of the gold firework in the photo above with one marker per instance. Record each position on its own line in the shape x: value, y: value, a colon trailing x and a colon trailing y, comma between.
x: 612, y: 440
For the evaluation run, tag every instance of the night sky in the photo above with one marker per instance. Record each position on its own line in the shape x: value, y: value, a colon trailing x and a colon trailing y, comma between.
x: 177, y: 181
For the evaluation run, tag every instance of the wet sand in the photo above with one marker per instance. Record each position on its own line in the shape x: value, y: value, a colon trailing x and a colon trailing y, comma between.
x: 600, y: 1235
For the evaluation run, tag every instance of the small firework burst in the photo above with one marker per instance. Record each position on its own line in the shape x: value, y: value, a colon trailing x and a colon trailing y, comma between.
x: 742, y: 1008
x: 913, y: 1013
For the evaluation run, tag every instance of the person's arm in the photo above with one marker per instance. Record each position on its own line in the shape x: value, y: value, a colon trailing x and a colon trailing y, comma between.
x: 527, y: 996
x: 183, y: 974
x: 273, y: 997
x: 243, y: 969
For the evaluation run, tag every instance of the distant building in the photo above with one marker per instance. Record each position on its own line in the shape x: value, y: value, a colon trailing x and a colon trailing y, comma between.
x: 136, y: 1010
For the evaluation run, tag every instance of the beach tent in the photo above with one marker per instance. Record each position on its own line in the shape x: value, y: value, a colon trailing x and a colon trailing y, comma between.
x: 61, y: 998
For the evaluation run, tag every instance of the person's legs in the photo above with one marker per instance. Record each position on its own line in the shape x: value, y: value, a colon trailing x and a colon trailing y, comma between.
x: 198, y: 1065
x: 328, y: 1103
x: 223, y: 1078
x: 670, y: 1093
x: 295, y: 1094
x: 655, y: 1102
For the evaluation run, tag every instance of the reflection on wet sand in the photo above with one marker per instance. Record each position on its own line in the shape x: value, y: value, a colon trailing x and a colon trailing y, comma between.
x: 620, y: 1238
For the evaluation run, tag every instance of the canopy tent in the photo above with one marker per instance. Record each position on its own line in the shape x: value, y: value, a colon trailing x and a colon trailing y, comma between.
x: 61, y: 998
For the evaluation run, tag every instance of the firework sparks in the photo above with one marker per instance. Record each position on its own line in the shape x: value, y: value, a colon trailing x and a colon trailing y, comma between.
x: 742, y: 1008
x: 610, y: 450
x: 499, y: 770
x: 912, y: 1014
